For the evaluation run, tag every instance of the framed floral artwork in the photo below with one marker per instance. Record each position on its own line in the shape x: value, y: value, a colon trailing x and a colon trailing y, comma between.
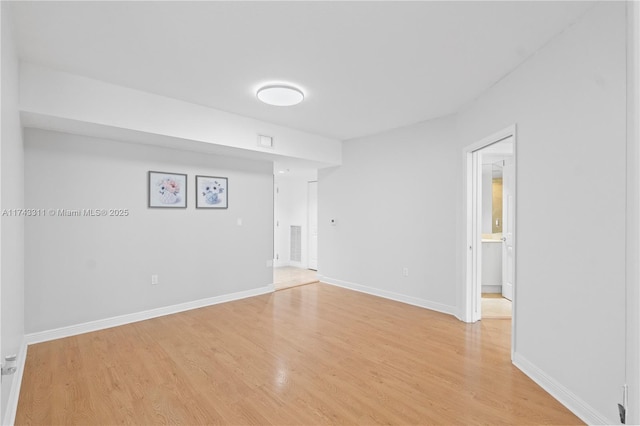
x: 167, y: 190
x: 212, y: 192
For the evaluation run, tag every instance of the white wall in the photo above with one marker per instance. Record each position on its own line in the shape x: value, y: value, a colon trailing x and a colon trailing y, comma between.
x: 491, y: 267
x: 396, y: 193
x: 12, y: 228
x: 80, y: 269
x: 394, y: 200
x: 292, y: 210
x: 568, y: 101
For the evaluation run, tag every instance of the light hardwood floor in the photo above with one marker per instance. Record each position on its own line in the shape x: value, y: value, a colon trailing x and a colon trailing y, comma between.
x: 314, y: 354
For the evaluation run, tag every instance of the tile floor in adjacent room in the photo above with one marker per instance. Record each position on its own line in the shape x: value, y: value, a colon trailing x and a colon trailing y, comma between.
x: 495, y: 306
x: 289, y: 276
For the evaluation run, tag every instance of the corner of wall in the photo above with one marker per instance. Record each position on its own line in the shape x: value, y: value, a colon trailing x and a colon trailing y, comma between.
x: 422, y: 303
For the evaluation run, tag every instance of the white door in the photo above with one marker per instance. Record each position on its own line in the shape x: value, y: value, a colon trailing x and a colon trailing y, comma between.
x: 1, y: 353
x: 508, y: 227
x: 313, y: 226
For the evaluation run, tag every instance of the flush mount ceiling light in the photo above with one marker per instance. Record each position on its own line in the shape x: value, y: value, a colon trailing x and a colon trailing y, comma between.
x: 280, y: 95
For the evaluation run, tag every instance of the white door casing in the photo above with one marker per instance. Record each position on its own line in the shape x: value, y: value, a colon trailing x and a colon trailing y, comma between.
x: 313, y: 226
x: 477, y: 235
x: 508, y: 225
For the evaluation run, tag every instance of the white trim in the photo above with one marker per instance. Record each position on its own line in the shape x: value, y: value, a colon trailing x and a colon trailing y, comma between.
x: 476, y: 230
x: 16, y: 382
x: 632, y: 225
x: 280, y: 263
x: 493, y: 289
x: 295, y: 264
x: 490, y: 140
x: 290, y: 263
x: 410, y: 300
x: 309, y: 266
x: 73, y: 330
x: 567, y: 398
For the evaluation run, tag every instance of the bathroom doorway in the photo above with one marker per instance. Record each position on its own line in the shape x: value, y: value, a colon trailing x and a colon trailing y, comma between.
x: 496, y: 234
x: 490, y: 242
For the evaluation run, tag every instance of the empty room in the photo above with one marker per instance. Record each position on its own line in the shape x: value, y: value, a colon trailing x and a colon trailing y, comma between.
x: 221, y: 212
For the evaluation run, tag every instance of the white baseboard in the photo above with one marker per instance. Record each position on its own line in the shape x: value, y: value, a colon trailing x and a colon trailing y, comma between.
x: 16, y: 383
x: 410, y: 300
x: 87, y: 327
x: 283, y: 263
x: 577, y: 406
x: 493, y: 289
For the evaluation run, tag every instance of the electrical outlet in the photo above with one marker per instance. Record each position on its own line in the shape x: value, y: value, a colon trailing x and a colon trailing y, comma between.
x: 154, y: 279
x: 405, y: 272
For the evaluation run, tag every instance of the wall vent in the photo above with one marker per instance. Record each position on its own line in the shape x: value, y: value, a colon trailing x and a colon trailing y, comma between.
x: 296, y: 244
x: 265, y: 141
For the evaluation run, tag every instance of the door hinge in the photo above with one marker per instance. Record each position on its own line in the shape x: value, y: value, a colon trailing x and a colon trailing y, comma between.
x: 622, y: 408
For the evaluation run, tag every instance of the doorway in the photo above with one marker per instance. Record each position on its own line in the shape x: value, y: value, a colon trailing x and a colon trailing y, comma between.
x: 295, y: 227
x: 490, y: 232
x: 496, y: 278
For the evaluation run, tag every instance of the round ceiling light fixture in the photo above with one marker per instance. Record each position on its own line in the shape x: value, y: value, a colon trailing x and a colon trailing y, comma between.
x: 280, y: 95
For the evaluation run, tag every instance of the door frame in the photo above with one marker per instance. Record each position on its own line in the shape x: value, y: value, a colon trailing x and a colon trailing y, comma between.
x: 472, y: 243
x: 632, y: 351
x: 507, y: 217
x: 309, y: 230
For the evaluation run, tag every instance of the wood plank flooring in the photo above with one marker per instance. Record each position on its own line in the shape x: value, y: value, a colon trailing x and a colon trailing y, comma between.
x: 315, y: 354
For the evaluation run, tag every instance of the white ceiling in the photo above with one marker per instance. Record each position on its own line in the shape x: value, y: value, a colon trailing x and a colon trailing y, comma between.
x: 366, y: 67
